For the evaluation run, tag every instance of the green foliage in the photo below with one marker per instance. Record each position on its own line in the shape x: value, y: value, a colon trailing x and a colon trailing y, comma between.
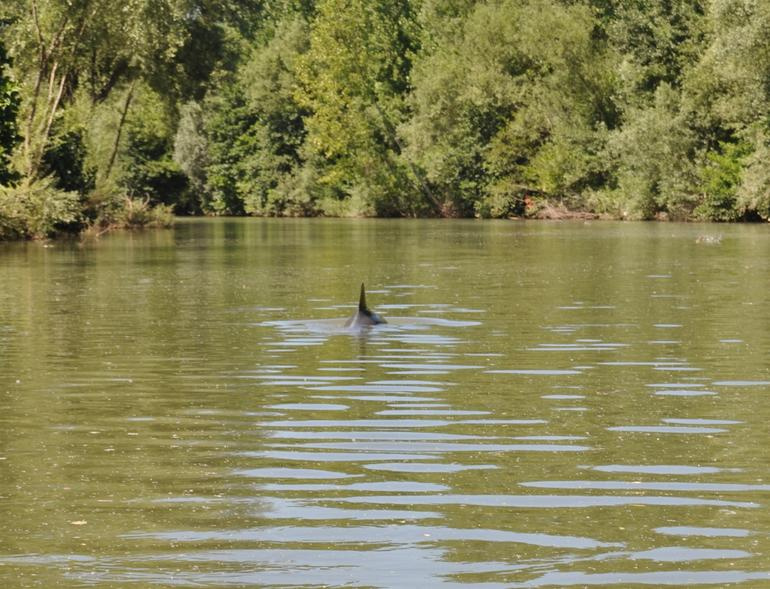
x: 149, y: 171
x: 9, y: 108
x: 191, y: 154
x: 465, y: 91
x: 653, y: 157
x: 66, y: 50
x: 36, y: 210
x: 735, y: 68
x: 753, y: 193
x: 658, y: 42
x: 492, y: 108
x: 226, y: 128
x: 65, y: 160
x: 138, y: 214
x: 720, y: 180
x: 278, y: 130
x: 354, y: 78
x: 113, y: 211
x: 512, y: 105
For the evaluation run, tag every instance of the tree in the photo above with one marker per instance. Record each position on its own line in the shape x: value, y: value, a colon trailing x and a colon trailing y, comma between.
x: 67, y: 45
x: 653, y: 157
x: 9, y: 107
x: 729, y: 100
x: 658, y: 42
x: 191, y: 154
x: 354, y: 80
x: 512, y: 101
x: 150, y: 173
x: 255, y: 130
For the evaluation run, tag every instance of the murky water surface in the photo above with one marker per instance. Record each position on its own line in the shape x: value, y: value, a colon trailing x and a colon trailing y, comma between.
x: 549, y: 405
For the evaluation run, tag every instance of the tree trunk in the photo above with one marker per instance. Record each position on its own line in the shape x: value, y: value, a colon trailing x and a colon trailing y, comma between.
x: 52, y: 62
x: 116, y: 144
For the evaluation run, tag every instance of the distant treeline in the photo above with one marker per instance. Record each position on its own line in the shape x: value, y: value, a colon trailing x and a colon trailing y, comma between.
x: 119, y: 113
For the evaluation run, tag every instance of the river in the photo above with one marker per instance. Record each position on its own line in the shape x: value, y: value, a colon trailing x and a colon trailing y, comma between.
x: 549, y: 405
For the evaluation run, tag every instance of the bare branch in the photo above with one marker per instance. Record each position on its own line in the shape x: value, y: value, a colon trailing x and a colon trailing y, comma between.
x: 36, y: 20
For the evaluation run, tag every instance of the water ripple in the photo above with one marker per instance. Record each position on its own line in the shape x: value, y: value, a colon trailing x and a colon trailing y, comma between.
x: 393, y: 535
x: 333, y: 456
x: 664, y: 429
x: 546, y: 501
x: 367, y: 446
x: 662, y: 469
x: 648, y: 486
x: 705, y: 532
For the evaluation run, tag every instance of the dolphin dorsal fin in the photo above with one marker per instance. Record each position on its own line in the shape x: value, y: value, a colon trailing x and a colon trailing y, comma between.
x: 362, y: 300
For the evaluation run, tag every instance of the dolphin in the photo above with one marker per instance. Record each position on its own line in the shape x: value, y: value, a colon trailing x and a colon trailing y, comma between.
x: 363, y: 317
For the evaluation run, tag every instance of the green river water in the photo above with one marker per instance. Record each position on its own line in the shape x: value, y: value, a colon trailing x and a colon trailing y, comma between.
x: 549, y: 405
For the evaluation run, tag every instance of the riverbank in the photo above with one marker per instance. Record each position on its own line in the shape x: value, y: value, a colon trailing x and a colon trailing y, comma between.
x: 39, y: 211
x: 34, y: 218
x: 621, y: 114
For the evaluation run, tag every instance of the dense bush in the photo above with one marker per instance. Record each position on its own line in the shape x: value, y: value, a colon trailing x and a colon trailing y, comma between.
x: 36, y: 210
